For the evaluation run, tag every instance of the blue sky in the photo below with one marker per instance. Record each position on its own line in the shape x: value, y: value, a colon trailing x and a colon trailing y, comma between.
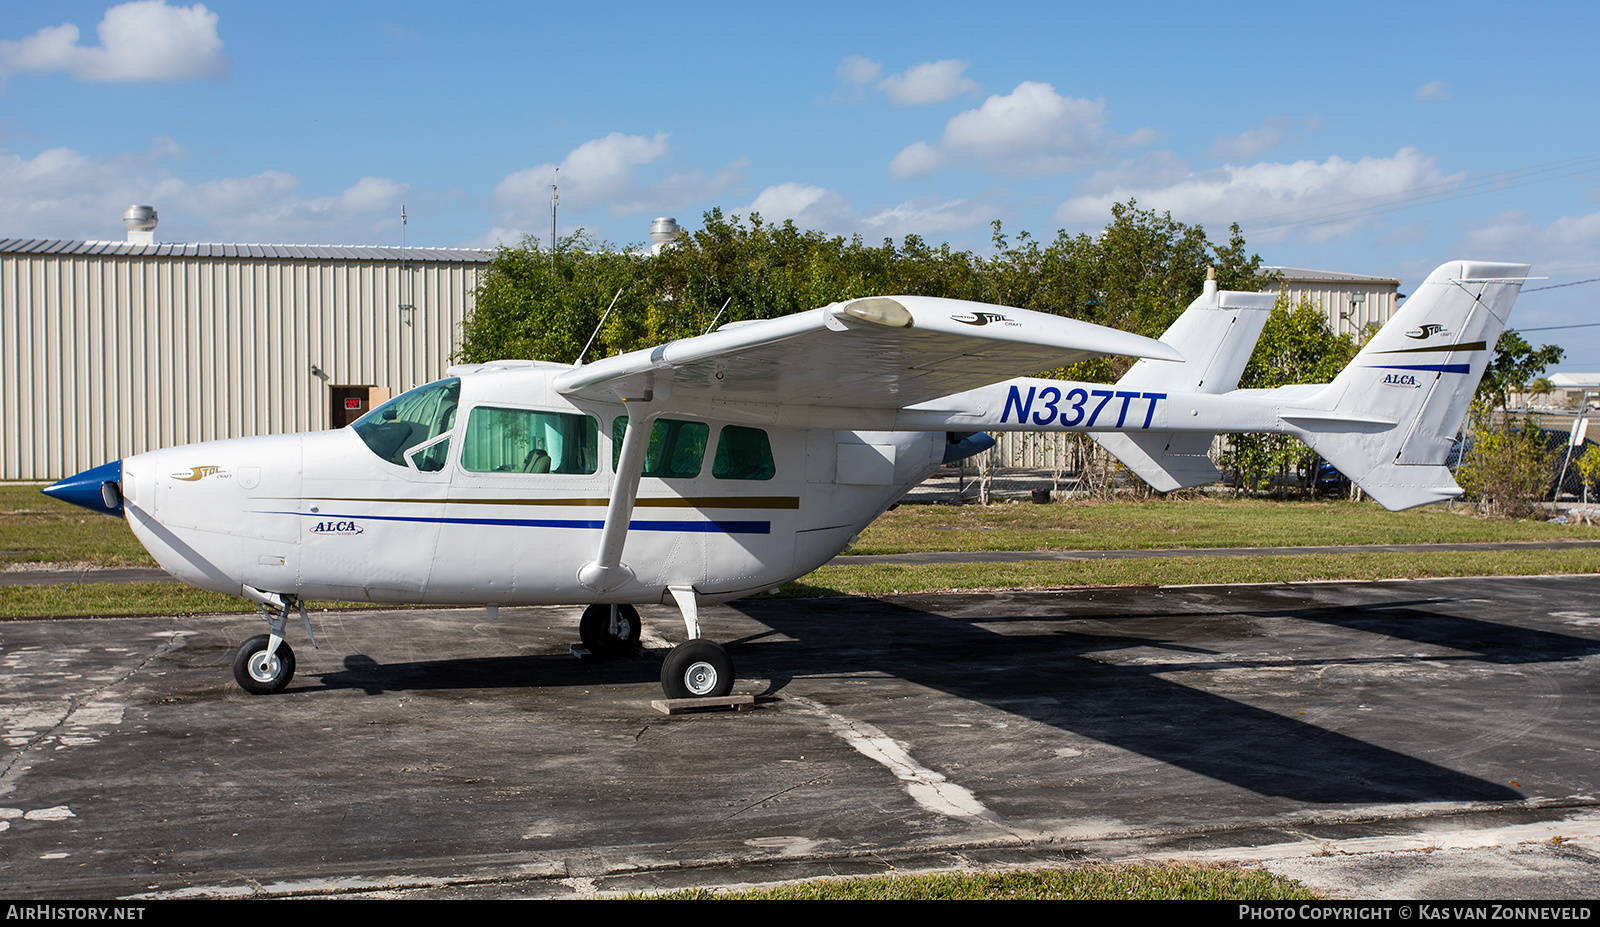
x: 1379, y: 138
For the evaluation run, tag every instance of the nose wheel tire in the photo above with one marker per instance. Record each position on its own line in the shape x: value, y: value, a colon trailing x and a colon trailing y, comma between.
x: 602, y: 638
x: 697, y: 669
x: 258, y: 674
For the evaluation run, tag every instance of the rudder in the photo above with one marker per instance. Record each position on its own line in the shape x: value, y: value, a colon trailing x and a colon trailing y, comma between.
x: 1390, y: 417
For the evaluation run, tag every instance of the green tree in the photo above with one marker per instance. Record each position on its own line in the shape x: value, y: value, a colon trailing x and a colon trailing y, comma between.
x: 1296, y: 346
x: 1508, y: 470
x: 531, y: 307
x: 1515, y: 363
x: 1137, y: 274
x: 1589, y: 468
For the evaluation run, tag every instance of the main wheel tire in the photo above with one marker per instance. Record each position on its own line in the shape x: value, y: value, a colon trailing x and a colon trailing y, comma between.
x: 594, y: 628
x: 697, y: 669
x: 258, y: 675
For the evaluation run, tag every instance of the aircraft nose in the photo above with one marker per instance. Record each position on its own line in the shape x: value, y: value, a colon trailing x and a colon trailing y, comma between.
x: 99, y: 488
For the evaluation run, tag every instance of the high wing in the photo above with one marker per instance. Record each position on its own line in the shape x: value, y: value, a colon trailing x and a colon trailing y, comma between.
x: 873, y: 353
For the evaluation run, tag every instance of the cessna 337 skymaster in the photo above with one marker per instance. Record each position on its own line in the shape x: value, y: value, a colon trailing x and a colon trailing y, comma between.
x: 718, y: 466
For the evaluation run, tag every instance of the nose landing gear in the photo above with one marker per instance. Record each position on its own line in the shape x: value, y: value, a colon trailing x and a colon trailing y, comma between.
x: 265, y: 664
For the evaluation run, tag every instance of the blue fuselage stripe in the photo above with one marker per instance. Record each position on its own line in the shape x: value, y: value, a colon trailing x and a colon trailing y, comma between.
x: 1431, y: 368
x: 701, y: 527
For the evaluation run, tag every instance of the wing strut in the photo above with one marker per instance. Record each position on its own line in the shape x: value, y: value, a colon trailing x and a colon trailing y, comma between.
x: 607, y: 571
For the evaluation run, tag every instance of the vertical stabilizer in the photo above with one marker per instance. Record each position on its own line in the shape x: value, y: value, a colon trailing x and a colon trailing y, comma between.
x: 1418, y: 372
x: 1216, y: 335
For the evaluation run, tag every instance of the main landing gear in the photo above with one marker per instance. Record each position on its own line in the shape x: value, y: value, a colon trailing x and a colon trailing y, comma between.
x: 696, y: 668
x: 609, y: 630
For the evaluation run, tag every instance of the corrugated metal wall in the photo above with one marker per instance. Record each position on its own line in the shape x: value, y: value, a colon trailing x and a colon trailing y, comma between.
x: 103, y: 356
x: 1351, y: 307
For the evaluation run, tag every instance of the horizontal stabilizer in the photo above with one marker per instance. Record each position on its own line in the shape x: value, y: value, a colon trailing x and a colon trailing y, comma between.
x: 1167, y: 460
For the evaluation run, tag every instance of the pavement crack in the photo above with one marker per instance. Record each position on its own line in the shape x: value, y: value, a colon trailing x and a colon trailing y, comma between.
x: 761, y: 801
x: 9, y: 771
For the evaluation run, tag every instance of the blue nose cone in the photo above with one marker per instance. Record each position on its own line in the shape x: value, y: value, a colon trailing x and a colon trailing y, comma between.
x: 99, y: 489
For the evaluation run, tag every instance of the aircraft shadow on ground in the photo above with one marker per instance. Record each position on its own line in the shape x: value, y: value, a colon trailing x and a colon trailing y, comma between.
x: 1054, y: 678
x: 509, y: 672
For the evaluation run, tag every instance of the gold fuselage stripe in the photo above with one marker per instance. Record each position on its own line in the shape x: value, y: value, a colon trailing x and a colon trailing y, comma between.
x: 671, y: 502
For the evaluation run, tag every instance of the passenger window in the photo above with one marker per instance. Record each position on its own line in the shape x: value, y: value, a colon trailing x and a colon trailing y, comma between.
x: 409, y: 419
x: 743, y: 454
x: 524, y: 441
x: 677, y: 448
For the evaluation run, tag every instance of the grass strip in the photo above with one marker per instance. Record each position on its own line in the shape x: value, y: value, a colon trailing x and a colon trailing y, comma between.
x: 841, y: 578
x: 110, y: 600
x: 1201, y: 522
x: 1088, y: 883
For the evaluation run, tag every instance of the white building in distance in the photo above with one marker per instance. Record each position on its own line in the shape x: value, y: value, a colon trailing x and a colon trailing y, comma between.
x: 1353, y: 302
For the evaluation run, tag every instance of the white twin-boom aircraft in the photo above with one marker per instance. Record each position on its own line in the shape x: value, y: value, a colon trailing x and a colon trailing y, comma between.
x: 714, y: 467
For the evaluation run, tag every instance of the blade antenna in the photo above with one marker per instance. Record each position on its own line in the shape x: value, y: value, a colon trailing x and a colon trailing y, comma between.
x: 596, y: 333
x: 718, y: 316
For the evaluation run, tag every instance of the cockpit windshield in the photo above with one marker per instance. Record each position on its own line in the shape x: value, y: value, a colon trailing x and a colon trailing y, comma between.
x: 411, y: 419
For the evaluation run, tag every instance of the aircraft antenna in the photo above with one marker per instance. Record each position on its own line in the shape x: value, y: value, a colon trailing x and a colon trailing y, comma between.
x: 718, y: 316
x: 407, y: 285
x: 596, y: 334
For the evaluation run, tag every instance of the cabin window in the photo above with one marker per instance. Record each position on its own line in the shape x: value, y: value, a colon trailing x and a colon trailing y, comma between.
x: 524, y: 441
x: 430, y: 458
x: 410, y: 419
x: 676, y: 449
x: 743, y: 454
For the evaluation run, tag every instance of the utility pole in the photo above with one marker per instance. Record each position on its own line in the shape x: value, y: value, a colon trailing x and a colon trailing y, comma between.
x: 555, y: 198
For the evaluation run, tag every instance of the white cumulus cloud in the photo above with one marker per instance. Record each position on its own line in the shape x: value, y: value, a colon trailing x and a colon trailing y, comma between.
x: 931, y: 82
x: 807, y: 206
x: 62, y: 193
x: 829, y: 211
x: 1568, y: 243
x: 143, y: 41
x: 1433, y: 91
x: 1328, y: 199
x: 855, y: 69
x: 1029, y: 132
x: 610, y: 173
x: 1265, y: 135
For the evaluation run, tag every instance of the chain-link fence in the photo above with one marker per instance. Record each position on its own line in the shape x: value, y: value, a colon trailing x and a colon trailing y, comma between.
x: 1024, y: 465
x: 1044, y: 466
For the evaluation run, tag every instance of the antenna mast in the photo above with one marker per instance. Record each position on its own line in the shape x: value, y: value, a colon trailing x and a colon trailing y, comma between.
x: 405, y: 269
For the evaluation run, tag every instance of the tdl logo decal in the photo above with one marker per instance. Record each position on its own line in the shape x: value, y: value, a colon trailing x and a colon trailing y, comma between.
x: 1407, y: 380
x: 336, y: 527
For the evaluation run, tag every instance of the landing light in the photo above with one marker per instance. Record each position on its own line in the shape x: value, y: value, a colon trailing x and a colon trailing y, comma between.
x: 879, y: 310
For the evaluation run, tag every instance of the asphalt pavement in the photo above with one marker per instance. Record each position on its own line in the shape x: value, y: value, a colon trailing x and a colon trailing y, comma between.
x: 1412, y: 739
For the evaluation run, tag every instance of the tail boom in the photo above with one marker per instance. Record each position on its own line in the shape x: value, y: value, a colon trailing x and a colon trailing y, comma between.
x: 1387, y: 420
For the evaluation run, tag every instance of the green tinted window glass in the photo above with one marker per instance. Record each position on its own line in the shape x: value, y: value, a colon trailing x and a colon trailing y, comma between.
x: 743, y: 454
x: 430, y: 459
x: 525, y: 441
x: 676, y: 449
x: 409, y: 419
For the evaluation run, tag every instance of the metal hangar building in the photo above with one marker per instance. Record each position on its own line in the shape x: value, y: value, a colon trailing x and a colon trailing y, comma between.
x: 111, y: 348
